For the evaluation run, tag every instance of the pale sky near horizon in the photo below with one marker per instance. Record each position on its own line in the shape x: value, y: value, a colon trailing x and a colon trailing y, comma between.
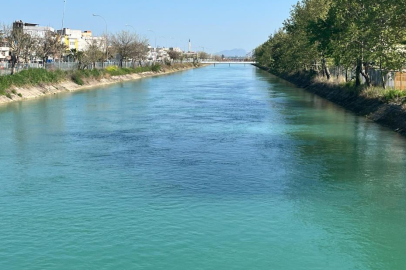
x: 216, y: 25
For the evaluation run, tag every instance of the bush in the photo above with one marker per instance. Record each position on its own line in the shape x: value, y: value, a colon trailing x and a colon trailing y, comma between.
x: 30, y: 77
x: 394, y: 94
x: 43, y: 76
x: 77, y: 78
x: 111, y: 68
x: 20, y: 95
x: 156, y: 67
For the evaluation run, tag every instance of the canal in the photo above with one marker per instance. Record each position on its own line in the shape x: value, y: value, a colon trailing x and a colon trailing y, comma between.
x: 213, y: 168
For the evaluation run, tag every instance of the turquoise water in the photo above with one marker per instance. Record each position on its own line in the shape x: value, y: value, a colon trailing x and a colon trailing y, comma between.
x: 214, y: 168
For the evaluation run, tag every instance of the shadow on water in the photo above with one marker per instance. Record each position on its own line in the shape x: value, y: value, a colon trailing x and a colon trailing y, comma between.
x: 351, y: 170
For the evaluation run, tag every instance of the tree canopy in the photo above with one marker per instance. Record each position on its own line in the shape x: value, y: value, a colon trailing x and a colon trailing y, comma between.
x: 354, y: 34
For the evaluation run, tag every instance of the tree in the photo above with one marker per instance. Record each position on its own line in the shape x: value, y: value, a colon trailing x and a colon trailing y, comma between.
x: 48, y: 46
x: 128, y: 46
x: 19, y: 44
x: 92, y: 54
x: 217, y: 58
x: 140, y: 50
x: 203, y: 55
x: 174, y: 55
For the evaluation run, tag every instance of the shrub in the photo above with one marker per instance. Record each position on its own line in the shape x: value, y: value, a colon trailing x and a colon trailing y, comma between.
x: 111, y: 68
x: 20, y: 95
x: 30, y: 77
x: 156, y: 67
x: 14, y: 92
x: 77, y: 78
x: 394, y: 94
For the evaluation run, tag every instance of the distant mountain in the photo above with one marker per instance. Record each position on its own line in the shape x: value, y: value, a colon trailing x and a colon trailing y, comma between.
x: 233, y: 53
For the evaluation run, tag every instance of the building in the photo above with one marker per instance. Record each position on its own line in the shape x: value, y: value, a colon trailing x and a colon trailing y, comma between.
x: 4, y: 54
x: 157, y: 54
x: 34, y: 30
x: 80, y: 41
x: 190, y: 46
x: 176, y: 49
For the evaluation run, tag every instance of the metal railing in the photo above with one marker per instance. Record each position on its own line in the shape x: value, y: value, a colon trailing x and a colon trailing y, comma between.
x: 5, y: 67
x: 393, y: 79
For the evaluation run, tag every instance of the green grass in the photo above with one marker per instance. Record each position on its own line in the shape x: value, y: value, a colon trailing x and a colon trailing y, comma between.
x: 30, y: 77
x: 390, y: 95
x: 386, y: 95
x: 41, y: 76
x: 77, y: 77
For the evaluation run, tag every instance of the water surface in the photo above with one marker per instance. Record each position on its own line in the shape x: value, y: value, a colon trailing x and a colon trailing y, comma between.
x: 214, y: 168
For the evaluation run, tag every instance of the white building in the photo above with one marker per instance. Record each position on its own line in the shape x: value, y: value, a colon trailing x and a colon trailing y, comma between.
x: 34, y: 30
x: 80, y: 41
x: 176, y: 49
x: 4, y: 54
x: 157, y: 54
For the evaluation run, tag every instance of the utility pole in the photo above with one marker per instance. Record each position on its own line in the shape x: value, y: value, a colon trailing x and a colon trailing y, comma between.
x: 63, y: 16
x: 150, y: 30
x: 107, y: 49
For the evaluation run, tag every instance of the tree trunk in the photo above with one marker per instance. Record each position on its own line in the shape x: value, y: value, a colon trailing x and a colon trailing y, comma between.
x: 365, y: 74
x: 14, y: 61
x: 383, y: 75
x: 358, y: 73
x: 326, y: 71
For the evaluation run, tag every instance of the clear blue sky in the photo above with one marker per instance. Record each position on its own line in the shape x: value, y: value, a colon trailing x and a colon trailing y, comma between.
x: 216, y: 25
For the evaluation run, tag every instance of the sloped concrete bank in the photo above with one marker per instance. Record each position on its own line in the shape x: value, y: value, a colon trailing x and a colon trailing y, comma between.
x: 36, y: 91
x: 392, y: 115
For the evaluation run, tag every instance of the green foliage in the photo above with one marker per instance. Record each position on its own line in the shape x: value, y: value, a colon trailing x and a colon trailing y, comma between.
x: 30, y: 77
x: 390, y: 95
x: 77, y: 77
x: 358, y: 34
x: 112, y: 68
x: 156, y: 68
x: 42, y: 76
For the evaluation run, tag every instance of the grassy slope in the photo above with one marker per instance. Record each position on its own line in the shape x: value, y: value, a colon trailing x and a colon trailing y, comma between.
x: 386, y: 107
x: 305, y: 80
x: 41, y: 76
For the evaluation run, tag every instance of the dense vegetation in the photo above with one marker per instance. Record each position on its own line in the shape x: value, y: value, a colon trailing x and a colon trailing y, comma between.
x: 352, y: 34
x: 43, y: 76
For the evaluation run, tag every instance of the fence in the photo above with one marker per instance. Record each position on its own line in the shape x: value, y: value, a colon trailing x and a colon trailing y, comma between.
x: 5, y: 67
x: 393, y: 79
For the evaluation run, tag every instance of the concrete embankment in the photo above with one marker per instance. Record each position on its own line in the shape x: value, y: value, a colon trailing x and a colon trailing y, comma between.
x: 36, y: 91
x: 392, y: 115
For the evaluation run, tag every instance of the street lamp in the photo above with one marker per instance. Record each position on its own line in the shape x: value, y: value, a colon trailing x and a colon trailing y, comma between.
x: 107, y: 51
x: 149, y: 30
x: 129, y: 25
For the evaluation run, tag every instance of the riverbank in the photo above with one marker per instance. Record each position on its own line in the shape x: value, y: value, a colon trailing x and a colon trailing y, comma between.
x: 389, y: 112
x: 74, y: 81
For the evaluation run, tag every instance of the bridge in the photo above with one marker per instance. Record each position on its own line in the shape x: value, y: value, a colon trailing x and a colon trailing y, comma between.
x: 228, y: 62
